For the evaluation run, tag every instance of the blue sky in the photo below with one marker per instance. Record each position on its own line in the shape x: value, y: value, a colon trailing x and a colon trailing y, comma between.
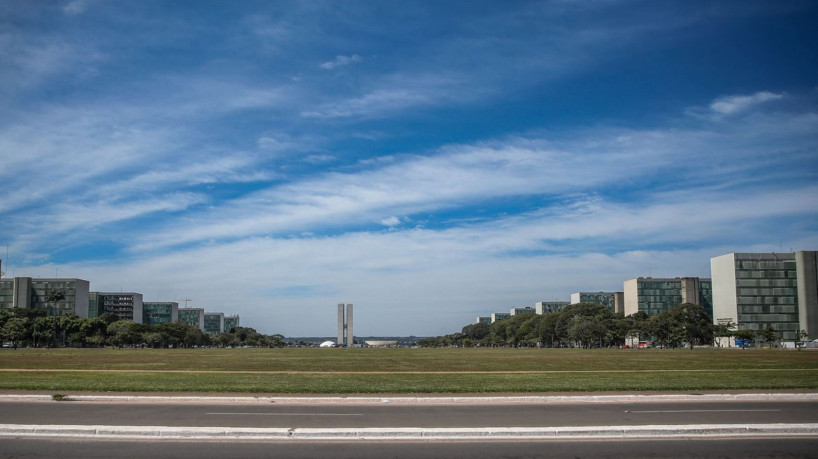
x: 426, y: 161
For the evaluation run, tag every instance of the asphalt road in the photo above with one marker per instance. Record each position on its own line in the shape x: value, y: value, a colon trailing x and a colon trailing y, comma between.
x: 723, y: 448
x: 393, y: 415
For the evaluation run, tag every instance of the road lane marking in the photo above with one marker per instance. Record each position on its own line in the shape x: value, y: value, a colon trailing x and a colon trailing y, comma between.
x: 702, y: 411
x: 285, y: 414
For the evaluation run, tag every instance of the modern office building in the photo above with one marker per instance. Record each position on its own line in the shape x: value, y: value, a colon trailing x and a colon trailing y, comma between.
x: 607, y: 299
x: 126, y: 305
x: 231, y: 322
x: 96, y: 305
x: 213, y: 322
x: 523, y: 310
x: 166, y: 312
x: 345, y: 323
x: 658, y: 295
x: 756, y: 290
x: 499, y: 316
x: 193, y: 317
x: 30, y: 293
x: 483, y: 320
x: 547, y: 307
x: 619, y: 302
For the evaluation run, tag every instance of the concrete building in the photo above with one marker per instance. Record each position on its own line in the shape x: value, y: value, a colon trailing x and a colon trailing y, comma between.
x: 126, y: 305
x: 607, y: 299
x: 213, y: 322
x: 193, y: 317
x: 166, y: 312
x: 619, y: 302
x: 523, y: 310
x: 30, y: 293
x: 96, y: 305
x: 345, y: 332
x: 231, y: 322
x: 547, y: 307
x: 658, y: 295
x: 483, y: 320
x: 754, y: 290
x: 499, y: 316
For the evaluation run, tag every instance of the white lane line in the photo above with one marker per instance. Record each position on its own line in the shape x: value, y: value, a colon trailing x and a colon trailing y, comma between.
x: 286, y: 414
x: 702, y: 411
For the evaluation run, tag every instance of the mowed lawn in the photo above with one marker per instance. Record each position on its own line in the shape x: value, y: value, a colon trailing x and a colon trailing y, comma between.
x: 358, y: 371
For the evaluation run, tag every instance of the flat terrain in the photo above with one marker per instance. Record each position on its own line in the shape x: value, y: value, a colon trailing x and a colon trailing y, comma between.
x: 350, y: 371
x: 328, y: 415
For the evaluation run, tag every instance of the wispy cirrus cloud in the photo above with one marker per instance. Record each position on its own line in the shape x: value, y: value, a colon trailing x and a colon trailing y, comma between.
x: 341, y: 61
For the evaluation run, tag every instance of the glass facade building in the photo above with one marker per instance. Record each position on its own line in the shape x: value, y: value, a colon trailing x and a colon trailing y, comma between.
x: 126, y: 305
x: 31, y: 293
x: 757, y: 290
x: 213, y: 322
x: 547, y: 307
x: 483, y: 320
x: 160, y: 313
x: 657, y: 295
x: 499, y: 316
x: 523, y: 310
x: 231, y: 322
x: 192, y: 316
x: 607, y: 299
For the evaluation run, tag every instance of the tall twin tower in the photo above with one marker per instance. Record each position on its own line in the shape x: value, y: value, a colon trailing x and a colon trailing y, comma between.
x: 345, y: 326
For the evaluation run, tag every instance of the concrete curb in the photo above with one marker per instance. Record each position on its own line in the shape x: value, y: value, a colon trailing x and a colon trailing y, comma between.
x: 408, y: 433
x: 423, y: 400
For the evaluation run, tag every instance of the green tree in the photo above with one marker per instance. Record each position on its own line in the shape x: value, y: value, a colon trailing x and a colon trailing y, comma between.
x: 690, y: 324
x: 123, y: 333
x: 15, y: 330
x: 476, y: 331
x: 53, y: 297
x: 768, y: 334
x: 44, y: 330
x: 587, y: 331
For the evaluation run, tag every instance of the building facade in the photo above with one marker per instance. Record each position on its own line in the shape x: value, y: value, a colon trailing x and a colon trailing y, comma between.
x: 756, y: 290
x: 547, y: 307
x: 30, y: 293
x: 345, y: 326
x: 126, y: 305
x: 193, y: 317
x: 607, y: 299
x: 499, y: 316
x: 483, y: 320
x: 166, y: 312
x: 213, y: 322
x: 657, y: 295
x: 523, y: 310
x: 96, y: 305
x: 231, y: 322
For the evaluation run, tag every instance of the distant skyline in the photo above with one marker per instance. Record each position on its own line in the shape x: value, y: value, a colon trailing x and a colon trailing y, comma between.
x: 426, y: 161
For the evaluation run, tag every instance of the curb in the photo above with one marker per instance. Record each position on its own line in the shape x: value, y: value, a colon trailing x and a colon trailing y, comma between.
x: 410, y: 433
x: 426, y: 400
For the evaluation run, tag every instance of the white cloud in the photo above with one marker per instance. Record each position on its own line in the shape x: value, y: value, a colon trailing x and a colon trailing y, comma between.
x: 342, y: 61
x: 457, y: 176
x: 390, y: 221
x: 76, y: 7
x: 732, y: 105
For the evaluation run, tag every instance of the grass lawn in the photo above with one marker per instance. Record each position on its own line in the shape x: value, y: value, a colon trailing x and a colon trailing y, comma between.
x: 405, y: 370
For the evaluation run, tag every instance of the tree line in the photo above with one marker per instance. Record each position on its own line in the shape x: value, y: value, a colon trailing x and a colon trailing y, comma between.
x: 590, y: 325
x: 32, y: 328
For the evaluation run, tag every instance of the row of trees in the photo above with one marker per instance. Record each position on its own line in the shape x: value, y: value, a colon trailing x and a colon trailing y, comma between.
x: 590, y: 325
x: 30, y: 327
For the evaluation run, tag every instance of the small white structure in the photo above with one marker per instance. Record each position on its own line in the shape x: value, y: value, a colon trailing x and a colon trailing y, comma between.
x: 327, y: 344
